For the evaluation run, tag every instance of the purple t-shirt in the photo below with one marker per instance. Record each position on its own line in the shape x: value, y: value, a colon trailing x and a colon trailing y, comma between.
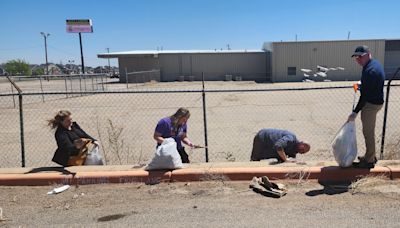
x: 165, y: 128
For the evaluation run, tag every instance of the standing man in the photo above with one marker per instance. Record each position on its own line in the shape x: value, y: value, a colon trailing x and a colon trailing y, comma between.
x: 370, y: 102
x: 276, y: 143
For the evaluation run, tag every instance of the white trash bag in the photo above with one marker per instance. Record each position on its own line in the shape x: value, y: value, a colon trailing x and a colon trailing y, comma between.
x: 166, y: 157
x: 345, y: 145
x: 94, y: 157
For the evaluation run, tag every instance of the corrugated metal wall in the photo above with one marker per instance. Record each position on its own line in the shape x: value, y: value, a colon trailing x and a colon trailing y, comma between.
x: 249, y: 66
x: 392, y: 57
x: 324, y: 53
x: 138, y: 63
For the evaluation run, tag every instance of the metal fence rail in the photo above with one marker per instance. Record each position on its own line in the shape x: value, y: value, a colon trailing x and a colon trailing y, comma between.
x: 224, y: 115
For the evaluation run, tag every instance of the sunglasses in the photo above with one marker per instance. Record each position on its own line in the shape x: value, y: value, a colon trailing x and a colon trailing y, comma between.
x: 359, y: 56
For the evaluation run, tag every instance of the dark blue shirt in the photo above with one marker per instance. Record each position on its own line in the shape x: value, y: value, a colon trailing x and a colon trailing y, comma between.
x: 275, y: 139
x: 372, y: 82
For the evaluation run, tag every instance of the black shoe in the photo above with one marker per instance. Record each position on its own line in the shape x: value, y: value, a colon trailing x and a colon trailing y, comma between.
x: 362, y: 159
x: 363, y: 165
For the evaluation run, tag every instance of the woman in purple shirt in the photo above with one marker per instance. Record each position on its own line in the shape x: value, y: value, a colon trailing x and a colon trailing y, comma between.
x: 175, y: 127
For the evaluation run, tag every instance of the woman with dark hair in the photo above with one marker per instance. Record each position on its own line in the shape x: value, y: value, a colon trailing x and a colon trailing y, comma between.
x: 175, y: 127
x: 69, y: 136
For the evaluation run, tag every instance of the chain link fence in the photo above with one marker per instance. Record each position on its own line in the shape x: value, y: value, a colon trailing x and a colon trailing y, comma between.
x: 123, y: 118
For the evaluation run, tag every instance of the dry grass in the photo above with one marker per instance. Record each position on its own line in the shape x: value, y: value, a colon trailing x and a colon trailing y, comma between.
x: 207, y: 176
x: 368, y: 184
x: 392, y: 151
x: 114, y: 146
x: 302, y: 176
x: 229, y: 157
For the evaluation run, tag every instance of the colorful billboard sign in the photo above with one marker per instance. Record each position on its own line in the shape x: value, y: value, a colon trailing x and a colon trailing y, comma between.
x: 79, y: 26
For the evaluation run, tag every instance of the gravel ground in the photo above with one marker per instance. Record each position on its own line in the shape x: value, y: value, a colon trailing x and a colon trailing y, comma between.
x: 372, y: 202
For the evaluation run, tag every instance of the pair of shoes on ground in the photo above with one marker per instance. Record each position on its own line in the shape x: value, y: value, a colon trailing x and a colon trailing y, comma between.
x: 363, y: 164
x: 265, y: 187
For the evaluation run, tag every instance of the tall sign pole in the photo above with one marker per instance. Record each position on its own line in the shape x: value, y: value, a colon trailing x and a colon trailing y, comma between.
x: 80, y: 26
x: 82, y: 61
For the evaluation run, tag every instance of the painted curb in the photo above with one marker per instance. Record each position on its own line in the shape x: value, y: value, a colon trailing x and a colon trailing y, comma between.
x: 84, y: 178
x: 395, y: 172
x: 328, y: 173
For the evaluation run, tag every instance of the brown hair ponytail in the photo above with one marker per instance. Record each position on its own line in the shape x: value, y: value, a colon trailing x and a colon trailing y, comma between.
x: 58, y: 119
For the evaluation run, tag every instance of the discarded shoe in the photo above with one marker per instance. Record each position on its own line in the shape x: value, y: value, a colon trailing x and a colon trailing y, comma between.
x: 266, y: 188
x: 267, y: 184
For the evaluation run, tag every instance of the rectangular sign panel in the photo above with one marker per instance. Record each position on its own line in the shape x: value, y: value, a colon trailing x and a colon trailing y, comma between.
x: 80, y: 25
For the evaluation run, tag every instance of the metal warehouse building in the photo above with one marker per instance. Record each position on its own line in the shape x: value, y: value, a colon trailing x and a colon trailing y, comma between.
x: 277, y: 62
x: 217, y: 65
x: 289, y: 57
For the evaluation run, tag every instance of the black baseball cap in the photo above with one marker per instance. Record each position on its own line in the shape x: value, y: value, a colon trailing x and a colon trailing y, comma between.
x: 360, y: 50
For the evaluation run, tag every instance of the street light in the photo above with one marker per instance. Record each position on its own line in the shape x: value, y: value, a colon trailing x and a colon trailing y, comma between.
x: 45, y: 35
x: 70, y: 62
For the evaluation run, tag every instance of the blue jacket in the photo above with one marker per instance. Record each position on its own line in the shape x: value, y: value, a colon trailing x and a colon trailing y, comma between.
x: 372, y: 82
x: 276, y: 139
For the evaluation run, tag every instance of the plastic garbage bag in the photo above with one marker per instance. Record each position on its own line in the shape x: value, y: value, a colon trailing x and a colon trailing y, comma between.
x: 94, y: 157
x: 166, y: 157
x: 345, y: 145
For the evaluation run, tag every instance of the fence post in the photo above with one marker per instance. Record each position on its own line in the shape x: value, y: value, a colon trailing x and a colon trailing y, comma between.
x: 102, y: 82
x: 84, y: 81
x: 21, y: 121
x: 80, y: 84
x: 12, y: 91
x: 204, y: 117
x: 70, y: 83
x: 385, y: 113
x: 126, y: 77
x: 106, y: 82
x: 66, y: 87
x: 93, y: 82
x: 41, y: 87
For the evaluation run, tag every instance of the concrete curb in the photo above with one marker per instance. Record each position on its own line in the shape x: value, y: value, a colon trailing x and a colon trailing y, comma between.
x: 84, y: 178
x: 326, y: 173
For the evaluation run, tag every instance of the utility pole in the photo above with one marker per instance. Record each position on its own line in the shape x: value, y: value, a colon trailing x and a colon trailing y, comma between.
x: 45, y: 35
x: 348, y: 35
x: 109, y: 66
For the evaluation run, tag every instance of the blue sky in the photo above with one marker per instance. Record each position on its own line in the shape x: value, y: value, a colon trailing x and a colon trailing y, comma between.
x: 123, y: 25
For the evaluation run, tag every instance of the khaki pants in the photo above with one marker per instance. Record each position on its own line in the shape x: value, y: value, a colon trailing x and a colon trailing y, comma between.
x: 368, y: 119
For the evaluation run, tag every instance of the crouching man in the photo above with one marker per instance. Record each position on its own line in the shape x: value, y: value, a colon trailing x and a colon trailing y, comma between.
x: 276, y: 143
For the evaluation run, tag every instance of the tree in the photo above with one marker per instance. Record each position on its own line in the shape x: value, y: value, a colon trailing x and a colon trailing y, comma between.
x: 17, y: 67
x: 38, y: 71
